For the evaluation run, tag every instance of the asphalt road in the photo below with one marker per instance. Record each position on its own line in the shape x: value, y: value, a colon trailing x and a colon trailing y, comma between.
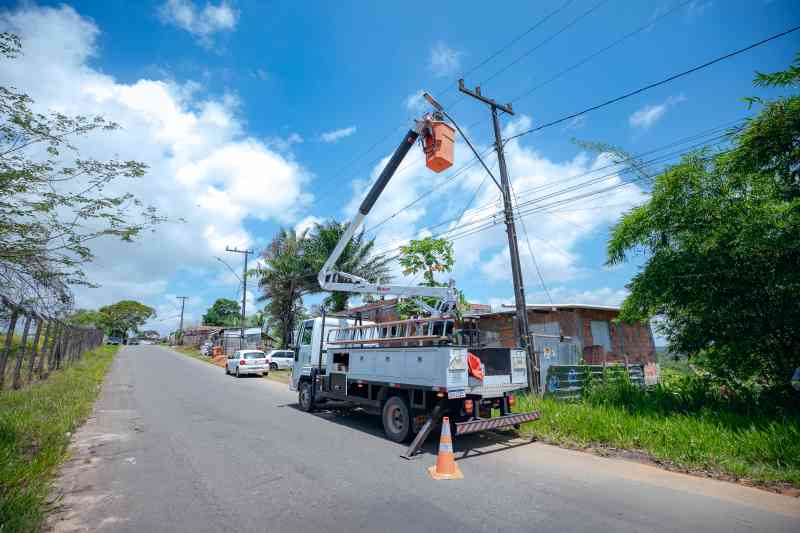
x: 175, y: 445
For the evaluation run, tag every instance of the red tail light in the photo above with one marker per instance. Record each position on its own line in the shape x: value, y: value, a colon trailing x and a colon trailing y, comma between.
x: 468, y: 406
x: 243, y: 362
x: 511, y: 400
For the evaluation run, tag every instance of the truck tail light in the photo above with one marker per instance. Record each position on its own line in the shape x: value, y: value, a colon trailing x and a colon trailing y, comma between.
x: 468, y: 406
x: 243, y: 362
x: 511, y: 400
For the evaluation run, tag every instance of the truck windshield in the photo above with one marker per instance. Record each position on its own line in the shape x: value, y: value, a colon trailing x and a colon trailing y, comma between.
x: 253, y: 355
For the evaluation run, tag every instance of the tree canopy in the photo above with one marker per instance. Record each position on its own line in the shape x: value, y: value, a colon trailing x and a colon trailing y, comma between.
x: 125, y: 317
x: 224, y: 312
x: 721, y: 237
x: 53, y: 202
x: 358, y: 258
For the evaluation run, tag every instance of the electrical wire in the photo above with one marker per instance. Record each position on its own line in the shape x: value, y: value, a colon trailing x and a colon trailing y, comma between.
x: 655, y: 84
x: 652, y: 22
x: 530, y: 248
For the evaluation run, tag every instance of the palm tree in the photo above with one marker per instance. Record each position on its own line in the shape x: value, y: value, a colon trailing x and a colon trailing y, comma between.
x: 356, y: 259
x: 283, y: 280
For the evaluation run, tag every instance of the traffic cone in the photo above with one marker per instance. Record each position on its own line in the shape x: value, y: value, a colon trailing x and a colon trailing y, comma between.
x: 446, y: 467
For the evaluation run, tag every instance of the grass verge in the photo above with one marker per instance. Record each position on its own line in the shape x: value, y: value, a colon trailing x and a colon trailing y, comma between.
x: 758, y: 450
x: 35, y: 428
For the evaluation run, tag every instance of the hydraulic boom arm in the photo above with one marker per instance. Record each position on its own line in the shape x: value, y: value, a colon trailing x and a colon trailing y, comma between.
x: 331, y: 280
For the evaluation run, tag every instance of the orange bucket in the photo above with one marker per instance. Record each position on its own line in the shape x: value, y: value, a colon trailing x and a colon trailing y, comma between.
x: 439, y: 147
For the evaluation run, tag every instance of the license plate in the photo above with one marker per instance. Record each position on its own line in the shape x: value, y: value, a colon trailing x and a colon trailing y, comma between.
x: 454, y: 394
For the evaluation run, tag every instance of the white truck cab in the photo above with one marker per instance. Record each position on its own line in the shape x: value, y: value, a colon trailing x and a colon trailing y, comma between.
x: 309, y: 343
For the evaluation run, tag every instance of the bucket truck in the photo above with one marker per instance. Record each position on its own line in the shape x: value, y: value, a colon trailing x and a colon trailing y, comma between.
x: 409, y: 372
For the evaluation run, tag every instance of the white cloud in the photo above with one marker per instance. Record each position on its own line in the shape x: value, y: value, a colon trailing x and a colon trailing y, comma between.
x: 415, y: 199
x: 202, y: 23
x: 650, y: 114
x: 444, y: 61
x: 202, y: 166
x: 416, y: 103
x: 697, y: 9
x: 307, y: 223
x: 335, y: 135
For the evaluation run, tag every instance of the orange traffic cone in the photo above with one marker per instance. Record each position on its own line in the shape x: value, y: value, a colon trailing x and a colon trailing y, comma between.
x: 446, y: 467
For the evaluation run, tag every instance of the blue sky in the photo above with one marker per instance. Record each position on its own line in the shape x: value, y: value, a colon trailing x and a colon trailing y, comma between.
x: 257, y: 115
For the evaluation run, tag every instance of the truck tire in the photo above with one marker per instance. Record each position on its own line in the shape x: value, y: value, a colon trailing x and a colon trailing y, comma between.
x: 304, y: 396
x: 396, y: 419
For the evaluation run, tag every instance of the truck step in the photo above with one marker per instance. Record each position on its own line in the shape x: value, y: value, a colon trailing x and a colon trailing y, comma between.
x: 482, y: 424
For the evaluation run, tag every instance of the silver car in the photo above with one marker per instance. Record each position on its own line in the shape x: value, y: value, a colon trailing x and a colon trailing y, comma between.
x: 243, y: 362
x: 280, y: 359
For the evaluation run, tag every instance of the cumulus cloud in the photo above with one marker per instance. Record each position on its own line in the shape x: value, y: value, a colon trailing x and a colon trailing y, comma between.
x: 650, y: 114
x: 307, y: 224
x: 335, y: 135
x: 202, y: 23
x: 416, y: 103
x: 416, y: 203
x: 202, y: 166
x: 443, y: 60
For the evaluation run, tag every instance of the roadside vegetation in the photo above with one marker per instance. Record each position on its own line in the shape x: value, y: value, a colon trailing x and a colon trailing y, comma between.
x: 721, y: 239
x: 35, y: 428
x: 688, y: 423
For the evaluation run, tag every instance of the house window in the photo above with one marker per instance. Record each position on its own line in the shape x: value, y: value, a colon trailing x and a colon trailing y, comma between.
x: 600, y: 334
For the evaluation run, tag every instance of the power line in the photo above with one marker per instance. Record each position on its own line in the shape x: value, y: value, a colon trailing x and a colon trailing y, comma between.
x: 648, y: 25
x: 530, y: 248
x: 564, y: 28
x: 448, y: 87
x: 655, y: 84
x: 526, y: 192
x: 478, y: 225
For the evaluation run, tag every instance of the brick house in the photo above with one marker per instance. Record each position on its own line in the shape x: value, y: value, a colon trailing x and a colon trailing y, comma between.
x: 592, y: 327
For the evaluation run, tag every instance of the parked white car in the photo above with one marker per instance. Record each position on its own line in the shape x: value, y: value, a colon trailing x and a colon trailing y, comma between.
x: 280, y: 359
x: 242, y: 362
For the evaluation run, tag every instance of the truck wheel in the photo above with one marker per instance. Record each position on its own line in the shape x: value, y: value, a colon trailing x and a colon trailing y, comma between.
x: 273, y: 366
x: 304, y: 397
x: 396, y: 419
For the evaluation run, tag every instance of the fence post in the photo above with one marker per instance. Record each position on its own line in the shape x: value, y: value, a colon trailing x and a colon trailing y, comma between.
x: 21, y: 353
x: 51, y: 360
x: 12, y: 326
x: 62, y: 345
x: 45, y: 342
x: 35, y: 348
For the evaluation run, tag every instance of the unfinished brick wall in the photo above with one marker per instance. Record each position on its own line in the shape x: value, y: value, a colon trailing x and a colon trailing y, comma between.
x: 633, y: 340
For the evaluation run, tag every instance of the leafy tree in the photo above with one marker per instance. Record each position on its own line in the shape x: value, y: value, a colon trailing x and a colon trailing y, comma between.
x: 150, y: 334
x: 721, y: 233
x: 53, y: 202
x: 427, y: 256
x: 285, y: 277
x: 224, y: 312
x: 357, y: 259
x: 125, y: 316
x: 86, y: 318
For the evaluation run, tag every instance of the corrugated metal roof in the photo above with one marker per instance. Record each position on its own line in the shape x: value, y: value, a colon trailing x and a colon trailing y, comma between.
x: 510, y: 310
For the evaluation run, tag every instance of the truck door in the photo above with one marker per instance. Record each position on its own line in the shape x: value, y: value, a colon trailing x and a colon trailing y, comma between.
x: 305, y: 350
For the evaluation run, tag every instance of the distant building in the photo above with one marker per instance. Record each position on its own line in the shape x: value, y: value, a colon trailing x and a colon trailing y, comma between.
x: 198, y: 335
x: 592, y: 328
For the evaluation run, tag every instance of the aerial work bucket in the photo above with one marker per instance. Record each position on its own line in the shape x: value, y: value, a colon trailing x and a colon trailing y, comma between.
x: 439, y: 140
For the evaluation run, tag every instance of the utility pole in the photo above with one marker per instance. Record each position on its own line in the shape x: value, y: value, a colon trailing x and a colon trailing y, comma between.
x: 183, y: 304
x: 511, y: 231
x: 246, y: 253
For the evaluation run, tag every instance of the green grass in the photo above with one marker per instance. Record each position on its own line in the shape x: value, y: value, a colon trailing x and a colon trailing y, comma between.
x: 34, y: 423
x: 681, y: 425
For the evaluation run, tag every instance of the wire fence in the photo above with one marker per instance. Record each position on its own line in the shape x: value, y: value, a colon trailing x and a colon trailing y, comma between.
x: 33, y: 345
